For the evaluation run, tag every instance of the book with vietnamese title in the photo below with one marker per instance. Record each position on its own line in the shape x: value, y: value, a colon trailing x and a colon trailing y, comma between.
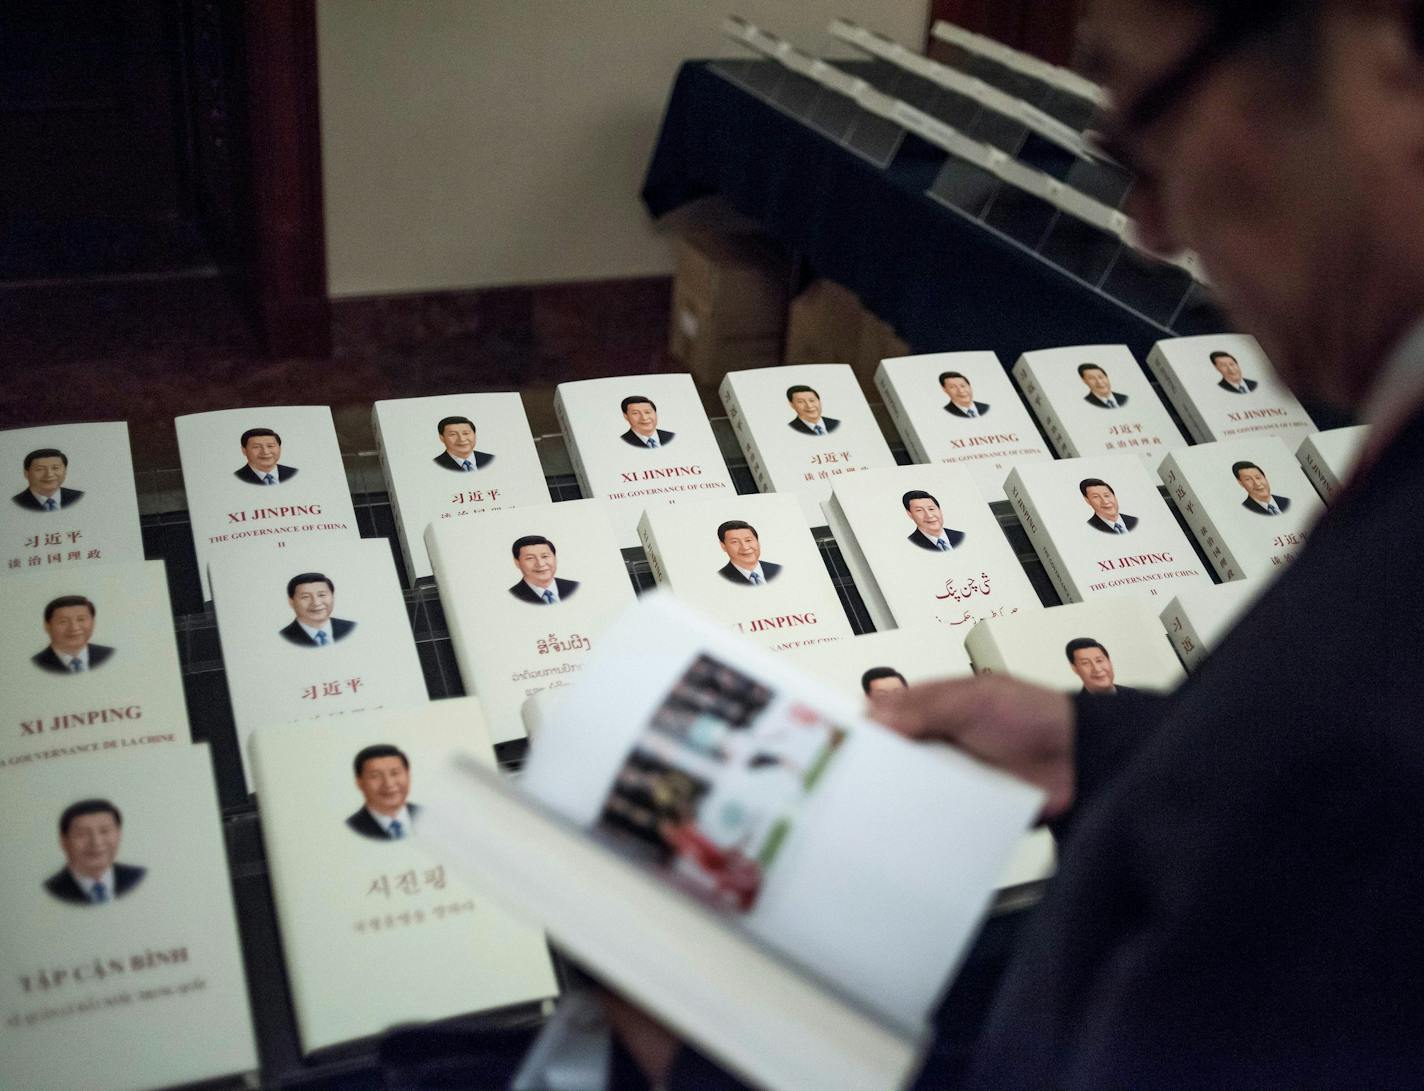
x: 638, y: 442
x: 1198, y: 619
x: 803, y: 427
x: 961, y: 408
x: 343, y: 810
x: 1328, y: 458
x: 1101, y: 528
x: 452, y: 456
x: 685, y: 851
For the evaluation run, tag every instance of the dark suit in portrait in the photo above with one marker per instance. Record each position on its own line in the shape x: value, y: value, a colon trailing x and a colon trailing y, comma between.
x: 1282, y: 502
x: 979, y: 407
x: 563, y: 588
x: 366, y: 826
x: 481, y: 459
x: 245, y: 473
x: 62, y: 885
x: 953, y: 537
x: 1129, y: 521
x: 797, y: 424
x: 67, y: 497
x: 48, y: 660
x: 1251, y: 385
x: 729, y: 571
x: 632, y: 438
x: 1094, y: 400
x: 1117, y: 690
x: 294, y: 632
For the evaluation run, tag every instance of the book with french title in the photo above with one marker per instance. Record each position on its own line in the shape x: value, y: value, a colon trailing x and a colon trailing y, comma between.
x: 1329, y: 457
x: 1197, y: 620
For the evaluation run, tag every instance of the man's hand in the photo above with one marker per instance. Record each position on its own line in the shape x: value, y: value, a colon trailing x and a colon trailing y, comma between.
x: 1020, y: 728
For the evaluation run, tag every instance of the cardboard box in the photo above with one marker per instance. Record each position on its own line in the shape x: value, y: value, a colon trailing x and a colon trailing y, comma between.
x: 829, y: 324
x: 729, y: 304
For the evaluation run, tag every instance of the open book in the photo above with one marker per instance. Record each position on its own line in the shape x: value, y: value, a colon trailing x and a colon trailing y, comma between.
x: 739, y: 851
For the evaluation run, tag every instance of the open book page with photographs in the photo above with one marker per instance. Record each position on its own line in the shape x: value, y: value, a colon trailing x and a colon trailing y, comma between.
x: 1224, y: 387
x: 92, y: 665
x: 1246, y: 501
x: 259, y: 480
x: 752, y: 563
x: 1101, y: 528
x: 924, y: 547
x: 961, y: 408
x: 1328, y: 458
x: 803, y: 428
x: 119, y: 958
x: 1096, y: 400
x: 640, y: 442
x: 314, y: 630
x: 1198, y: 619
x: 343, y: 814
x: 72, y: 501
x: 454, y: 456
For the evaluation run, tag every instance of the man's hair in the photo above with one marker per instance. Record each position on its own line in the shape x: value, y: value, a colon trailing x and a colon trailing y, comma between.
x: 531, y: 540
x: 917, y: 494
x: 87, y: 806
x: 68, y: 600
x: 1215, y: 356
x: 378, y: 750
x: 46, y: 452
x: 1091, y: 367
x: 800, y: 388
x: 634, y: 399
x: 253, y: 433
x: 736, y: 524
x: 1237, y: 467
x: 445, y: 423
x: 951, y: 375
x: 308, y: 577
x: 1088, y: 482
x: 1078, y: 644
x: 874, y: 674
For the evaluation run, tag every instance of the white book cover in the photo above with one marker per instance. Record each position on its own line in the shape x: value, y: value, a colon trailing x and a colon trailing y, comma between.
x: 72, y: 500
x: 92, y: 665
x: 1101, y: 528
x: 453, y: 456
x: 859, y: 668
x: 1198, y: 619
x: 228, y: 457
x: 640, y: 441
x: 1247, y: 502
x: 351, y: 894
x: 687, y: 850
x: 1329, y: 457
x: 1097, y: 647
x: 119, y: 959
x: 314, y: 630
x: 808, y: 425
x: 925, y: 548
x: 961, y: 408
x: 1096, y: 399
x: 527, y: 594
x: 752, y: 563
x: 1224, y: 387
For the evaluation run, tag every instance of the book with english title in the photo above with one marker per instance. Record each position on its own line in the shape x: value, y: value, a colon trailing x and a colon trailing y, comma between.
x: 1329, y: 457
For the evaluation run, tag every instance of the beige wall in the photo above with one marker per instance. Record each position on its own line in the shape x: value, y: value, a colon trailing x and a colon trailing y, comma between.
x: 468, y: 143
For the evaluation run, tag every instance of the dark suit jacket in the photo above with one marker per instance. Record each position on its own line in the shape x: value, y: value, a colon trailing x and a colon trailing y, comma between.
x: 479, y: 458
x: 1282, y: 502
x: 297, y: 635
x: 1251, y: 385
x: 62, y: 885
x: 564, y: 588
x: 1128, y: 521
x: 244, y: 473
x: 1092, y: 399
x: 979, y: 407
x: 799, y: 425
x: 47, y: 660
x: 366, y: 826
x: 729, y: 572
x: 27, y: 499
x: 1120, y: 690
x: 954, y: 537
x: 630, y: 437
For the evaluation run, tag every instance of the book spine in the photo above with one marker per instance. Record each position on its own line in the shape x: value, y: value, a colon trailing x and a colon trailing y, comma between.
x: 744, y: 436
x: 1033, y: 526
x: 1315, y: 467
x: 861, y: 574
x: 1181, y: 401
x: 1202, y: 526
x: 448, y: 603
x: 1186, y: 641
x: 982, y: 647
x: 403, y: 532
x: 650, y: 547
x: 571, y: 444
x: 895, y: 408
x: 1038, y: 405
